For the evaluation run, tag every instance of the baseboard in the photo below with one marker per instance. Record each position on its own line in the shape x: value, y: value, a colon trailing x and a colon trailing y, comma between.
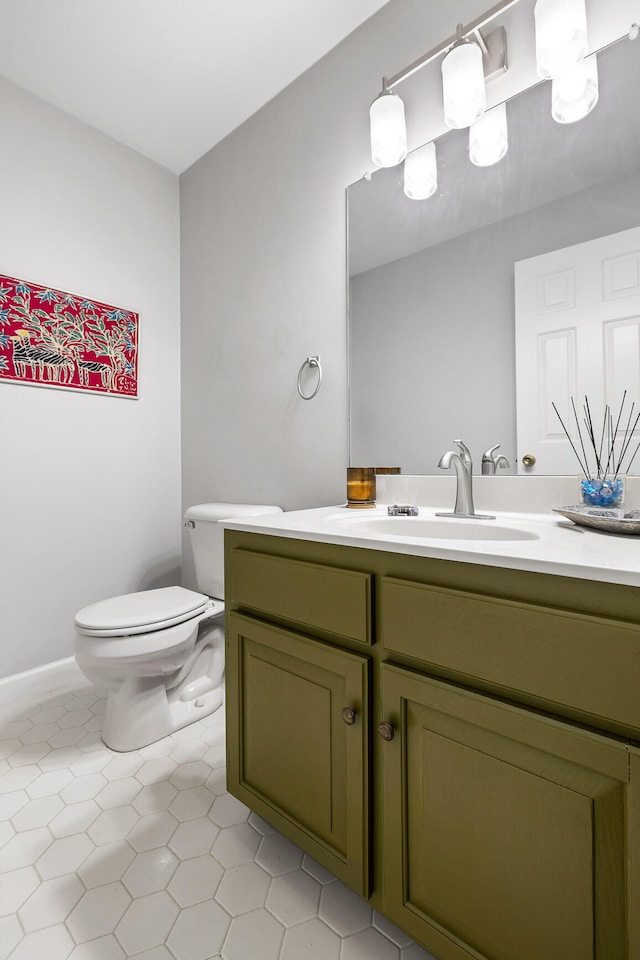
x: 42, y: 681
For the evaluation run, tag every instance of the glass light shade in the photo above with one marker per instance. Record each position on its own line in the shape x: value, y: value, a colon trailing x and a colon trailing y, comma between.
x: 421, y: 173
x: 488, y: 137
x: 561, y: 36
x: 575, y: 94
x: 388, y: 130
x: 463, y: 85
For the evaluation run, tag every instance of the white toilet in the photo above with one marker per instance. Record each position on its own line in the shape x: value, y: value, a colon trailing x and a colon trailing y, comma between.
x: 160, y: 653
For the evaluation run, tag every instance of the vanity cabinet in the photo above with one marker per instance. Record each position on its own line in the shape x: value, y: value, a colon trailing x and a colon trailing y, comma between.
x: 483, y: 790
x: 298, y: 707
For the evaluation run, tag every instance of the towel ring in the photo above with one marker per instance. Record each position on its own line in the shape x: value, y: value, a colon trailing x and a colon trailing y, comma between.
x: 310, y: 362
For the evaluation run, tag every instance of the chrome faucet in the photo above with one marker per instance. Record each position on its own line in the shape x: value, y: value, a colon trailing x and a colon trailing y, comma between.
x: 463, y: 465
x: 491, y: 461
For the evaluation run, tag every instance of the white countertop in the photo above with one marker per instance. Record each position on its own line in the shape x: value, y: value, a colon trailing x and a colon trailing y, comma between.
x: 560, y: 548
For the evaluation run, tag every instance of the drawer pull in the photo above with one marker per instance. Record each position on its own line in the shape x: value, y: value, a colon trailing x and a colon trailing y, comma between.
x: 349, y: 716
x: 386, y: 731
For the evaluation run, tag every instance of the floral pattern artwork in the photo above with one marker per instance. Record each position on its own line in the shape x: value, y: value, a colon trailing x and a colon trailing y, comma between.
x: 50, y: 338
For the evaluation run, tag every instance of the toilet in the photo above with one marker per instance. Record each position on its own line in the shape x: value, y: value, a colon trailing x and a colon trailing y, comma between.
x: 160, y: 653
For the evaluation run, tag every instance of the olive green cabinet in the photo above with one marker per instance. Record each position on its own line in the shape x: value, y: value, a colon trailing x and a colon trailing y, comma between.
x: 298, y: 707
x: 503, y: 831
x: 456, y: 742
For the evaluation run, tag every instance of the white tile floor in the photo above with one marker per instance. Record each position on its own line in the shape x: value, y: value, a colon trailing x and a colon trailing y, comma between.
x: 107, y: 855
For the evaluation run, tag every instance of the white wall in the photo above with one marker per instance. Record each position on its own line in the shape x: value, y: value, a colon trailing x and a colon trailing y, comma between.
x: 263, y: 273
x: 89, y: 485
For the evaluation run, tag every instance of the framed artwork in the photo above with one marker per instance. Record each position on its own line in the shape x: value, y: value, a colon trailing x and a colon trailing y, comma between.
x: 50, y: 338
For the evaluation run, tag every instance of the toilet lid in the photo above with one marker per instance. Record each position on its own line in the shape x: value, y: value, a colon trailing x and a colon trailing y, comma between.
x: 141, y: 612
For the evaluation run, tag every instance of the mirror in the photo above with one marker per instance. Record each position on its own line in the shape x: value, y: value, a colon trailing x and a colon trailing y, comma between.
x: 431, y: 283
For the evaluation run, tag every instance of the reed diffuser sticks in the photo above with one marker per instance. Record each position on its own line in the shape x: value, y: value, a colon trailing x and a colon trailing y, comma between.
x: 602, y: 453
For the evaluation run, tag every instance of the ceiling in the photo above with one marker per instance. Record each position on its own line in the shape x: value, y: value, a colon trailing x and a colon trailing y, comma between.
x: 169, y: 78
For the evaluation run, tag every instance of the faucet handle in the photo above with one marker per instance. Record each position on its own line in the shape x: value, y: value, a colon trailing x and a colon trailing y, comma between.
x: 465, y: 454
x: 491, y: 461
x: 490, y: 454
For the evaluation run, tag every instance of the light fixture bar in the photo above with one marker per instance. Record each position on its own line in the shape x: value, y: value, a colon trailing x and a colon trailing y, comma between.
x: 473, y: 27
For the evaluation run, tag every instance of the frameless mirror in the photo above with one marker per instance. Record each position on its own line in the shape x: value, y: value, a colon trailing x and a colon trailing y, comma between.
x: 432, y: 283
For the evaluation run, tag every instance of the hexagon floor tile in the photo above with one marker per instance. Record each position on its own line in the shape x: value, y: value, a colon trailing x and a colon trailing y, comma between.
x: 106, y: 855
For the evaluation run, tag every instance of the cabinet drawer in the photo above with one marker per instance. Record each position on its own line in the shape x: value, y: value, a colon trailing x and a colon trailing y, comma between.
x: 588, y: 665
x: 328, y: 599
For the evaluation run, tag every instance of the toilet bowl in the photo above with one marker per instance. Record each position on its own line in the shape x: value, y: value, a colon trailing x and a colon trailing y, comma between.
x: 160, y: 653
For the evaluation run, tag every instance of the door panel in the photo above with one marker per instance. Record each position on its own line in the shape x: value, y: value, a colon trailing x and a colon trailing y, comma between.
x: 292, y: 758
x: 496, y: 848
x: 577, y: 332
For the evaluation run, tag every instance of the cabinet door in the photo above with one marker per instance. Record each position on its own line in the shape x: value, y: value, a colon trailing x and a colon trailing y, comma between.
x: 292, y: 755
x: 507, y: 835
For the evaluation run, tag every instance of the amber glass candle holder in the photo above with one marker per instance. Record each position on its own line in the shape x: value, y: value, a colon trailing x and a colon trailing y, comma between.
x: 361, y: 487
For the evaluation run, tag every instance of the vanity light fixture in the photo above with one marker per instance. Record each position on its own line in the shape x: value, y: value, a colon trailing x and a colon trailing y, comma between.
x: 575, y: 94
x: 561, y: 36
x: 470, y: 60
x: 388, y: 130
x: 463, y: 90
x: 489, y: 137
x: 421, y: 173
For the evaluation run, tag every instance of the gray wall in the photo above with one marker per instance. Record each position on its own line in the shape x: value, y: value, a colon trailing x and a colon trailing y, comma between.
x: 264, y: 274
x: 89, y: 484
x: 432, y: 335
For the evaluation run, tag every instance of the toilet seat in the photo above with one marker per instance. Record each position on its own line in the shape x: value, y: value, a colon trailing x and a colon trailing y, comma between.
x: 144, y: 612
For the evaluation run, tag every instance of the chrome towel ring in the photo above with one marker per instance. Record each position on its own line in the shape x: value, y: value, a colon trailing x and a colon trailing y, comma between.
x: 310, y: 362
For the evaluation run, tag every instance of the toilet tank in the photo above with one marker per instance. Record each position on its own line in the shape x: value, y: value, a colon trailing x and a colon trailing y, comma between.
x: 207, y: 539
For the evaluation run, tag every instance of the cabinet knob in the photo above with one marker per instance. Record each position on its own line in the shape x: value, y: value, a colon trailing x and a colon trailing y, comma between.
x: 528, y: 460
x: 349, y: 716
x: 386, y: 730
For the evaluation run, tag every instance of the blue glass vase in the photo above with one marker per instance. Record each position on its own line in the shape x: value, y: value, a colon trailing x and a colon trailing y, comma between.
x: 602, y: 493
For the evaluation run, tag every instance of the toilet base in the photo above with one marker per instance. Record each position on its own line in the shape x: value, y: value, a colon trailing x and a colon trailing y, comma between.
x: 141, y: 711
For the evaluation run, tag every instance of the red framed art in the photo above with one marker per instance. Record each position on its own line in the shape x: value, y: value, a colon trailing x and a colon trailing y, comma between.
x: 50, y: 338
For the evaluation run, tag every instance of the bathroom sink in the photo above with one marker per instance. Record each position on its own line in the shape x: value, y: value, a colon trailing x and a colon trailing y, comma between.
x: 435, y: 528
